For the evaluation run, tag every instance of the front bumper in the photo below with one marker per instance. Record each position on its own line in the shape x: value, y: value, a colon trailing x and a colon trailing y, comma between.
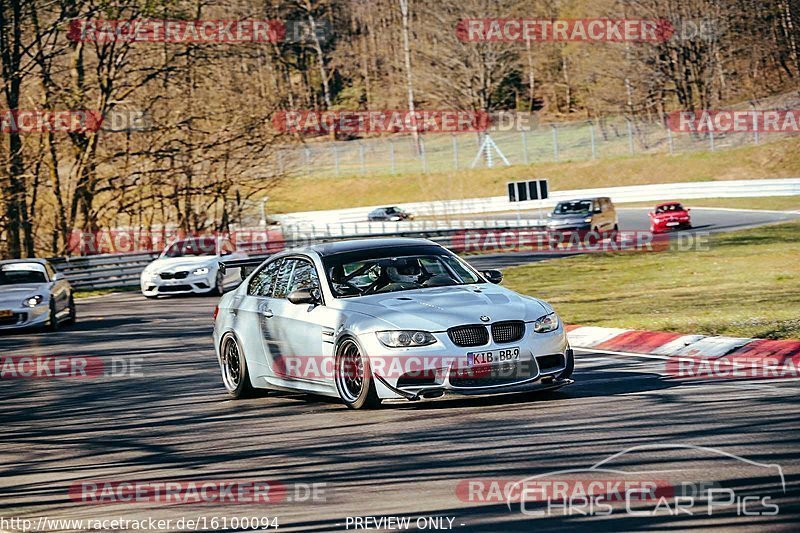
x: 542, y: 383
x: 659, y: 226
x: 584, y: 226
x: 441, y: 369
x: 24, y: 317
x: 155, y: 286
x: 562, y: 234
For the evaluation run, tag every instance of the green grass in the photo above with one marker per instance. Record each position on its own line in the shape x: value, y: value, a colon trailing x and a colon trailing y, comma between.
x: 87, y: 293
x: 778, y: 159
x: 747, y: 284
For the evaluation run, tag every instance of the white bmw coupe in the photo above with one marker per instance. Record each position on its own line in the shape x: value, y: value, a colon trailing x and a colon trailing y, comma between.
x: 378, y: 319
x: 191, y: 266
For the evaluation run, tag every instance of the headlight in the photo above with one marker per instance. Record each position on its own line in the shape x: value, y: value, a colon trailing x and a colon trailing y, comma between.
x: 33, y: 301
x: 402, y: 339
x: 546, y: 323
x: 587, y: 219
x: 202, y: 271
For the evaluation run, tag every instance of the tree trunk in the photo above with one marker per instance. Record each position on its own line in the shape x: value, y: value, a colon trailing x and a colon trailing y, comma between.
x: 409, y: 76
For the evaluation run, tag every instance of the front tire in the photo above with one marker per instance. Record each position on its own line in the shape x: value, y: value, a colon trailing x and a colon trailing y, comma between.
x: 233, y: 364
x: 219, y: 284
x: 614, y: 237
x: 72, y: 311
x: 353, y: 376
x: 53, y: 321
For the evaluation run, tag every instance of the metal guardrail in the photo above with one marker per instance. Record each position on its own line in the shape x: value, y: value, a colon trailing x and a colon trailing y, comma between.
x: 108, y: 271
x: 104, y: 271
x: 299, y: 229
x: 626, y: 194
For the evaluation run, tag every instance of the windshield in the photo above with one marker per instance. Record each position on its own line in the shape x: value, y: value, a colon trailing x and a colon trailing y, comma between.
x: 577, y: 207
x: 669, y: 208
x: 192, y: 247
x: 352, y: 276
x: 22, y: 273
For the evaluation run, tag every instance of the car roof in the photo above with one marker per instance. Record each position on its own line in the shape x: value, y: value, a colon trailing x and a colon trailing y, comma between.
x: 32, y: 260
x: 356, y: 245
x: 668, y: 203
x: 588, y: 199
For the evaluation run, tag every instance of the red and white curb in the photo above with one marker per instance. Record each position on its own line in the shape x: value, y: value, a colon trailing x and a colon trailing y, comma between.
x: 697, y: 355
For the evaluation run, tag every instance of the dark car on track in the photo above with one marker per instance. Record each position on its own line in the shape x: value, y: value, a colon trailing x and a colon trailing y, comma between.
x: 597, y: 215
x: 391, y: 214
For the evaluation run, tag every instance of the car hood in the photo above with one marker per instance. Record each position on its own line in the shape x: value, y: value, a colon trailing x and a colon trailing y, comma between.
x: 14, y: 294
x: 171, y: 264
x: 437, y: 309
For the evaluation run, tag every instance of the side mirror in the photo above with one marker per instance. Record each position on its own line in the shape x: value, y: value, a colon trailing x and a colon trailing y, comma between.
x: 651, y: 214
x: 304, y: 296
x: 597, y: 210
x: 494, y: 276
x: 58, y: 276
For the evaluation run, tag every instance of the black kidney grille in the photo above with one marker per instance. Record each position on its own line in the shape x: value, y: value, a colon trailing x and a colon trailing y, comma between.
x: 510, y: 331
x: 469, y: 335
x: 181, y: 274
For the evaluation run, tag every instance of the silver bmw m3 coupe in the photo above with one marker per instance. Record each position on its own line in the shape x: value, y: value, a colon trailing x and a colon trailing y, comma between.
x: 385, y: 319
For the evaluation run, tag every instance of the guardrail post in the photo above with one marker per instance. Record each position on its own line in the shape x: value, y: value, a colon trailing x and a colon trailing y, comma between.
x: 594, y: 144
x: 555, y: 141
x: 423, y: 155
x: 307, y: 151
x: 711, y: 142
x: 361, y: 158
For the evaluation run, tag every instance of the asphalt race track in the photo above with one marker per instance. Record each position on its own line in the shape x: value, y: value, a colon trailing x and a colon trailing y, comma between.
x: 635, y: 219
x: 173, y: 421
x: 164, y: 416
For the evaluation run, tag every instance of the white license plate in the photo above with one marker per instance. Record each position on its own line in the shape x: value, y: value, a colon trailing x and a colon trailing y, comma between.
x: 672, y: 223
x: 6, y: 313
x: 491, y: 357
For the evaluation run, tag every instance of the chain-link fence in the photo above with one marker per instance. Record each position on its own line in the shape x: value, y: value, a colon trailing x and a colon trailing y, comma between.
x: 570, y: 141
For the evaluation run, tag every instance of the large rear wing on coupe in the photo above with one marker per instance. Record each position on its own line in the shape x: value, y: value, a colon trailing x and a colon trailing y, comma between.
x: 246, y: 265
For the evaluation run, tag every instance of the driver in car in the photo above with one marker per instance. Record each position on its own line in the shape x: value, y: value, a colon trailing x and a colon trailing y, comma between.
x: 404, y: 271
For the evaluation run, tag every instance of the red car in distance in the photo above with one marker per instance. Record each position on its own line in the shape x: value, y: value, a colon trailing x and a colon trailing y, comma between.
x: 669, y: 216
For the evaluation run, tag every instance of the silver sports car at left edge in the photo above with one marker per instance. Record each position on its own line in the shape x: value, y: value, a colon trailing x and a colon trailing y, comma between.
x: 33, y: 294
x: 384, y: 319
